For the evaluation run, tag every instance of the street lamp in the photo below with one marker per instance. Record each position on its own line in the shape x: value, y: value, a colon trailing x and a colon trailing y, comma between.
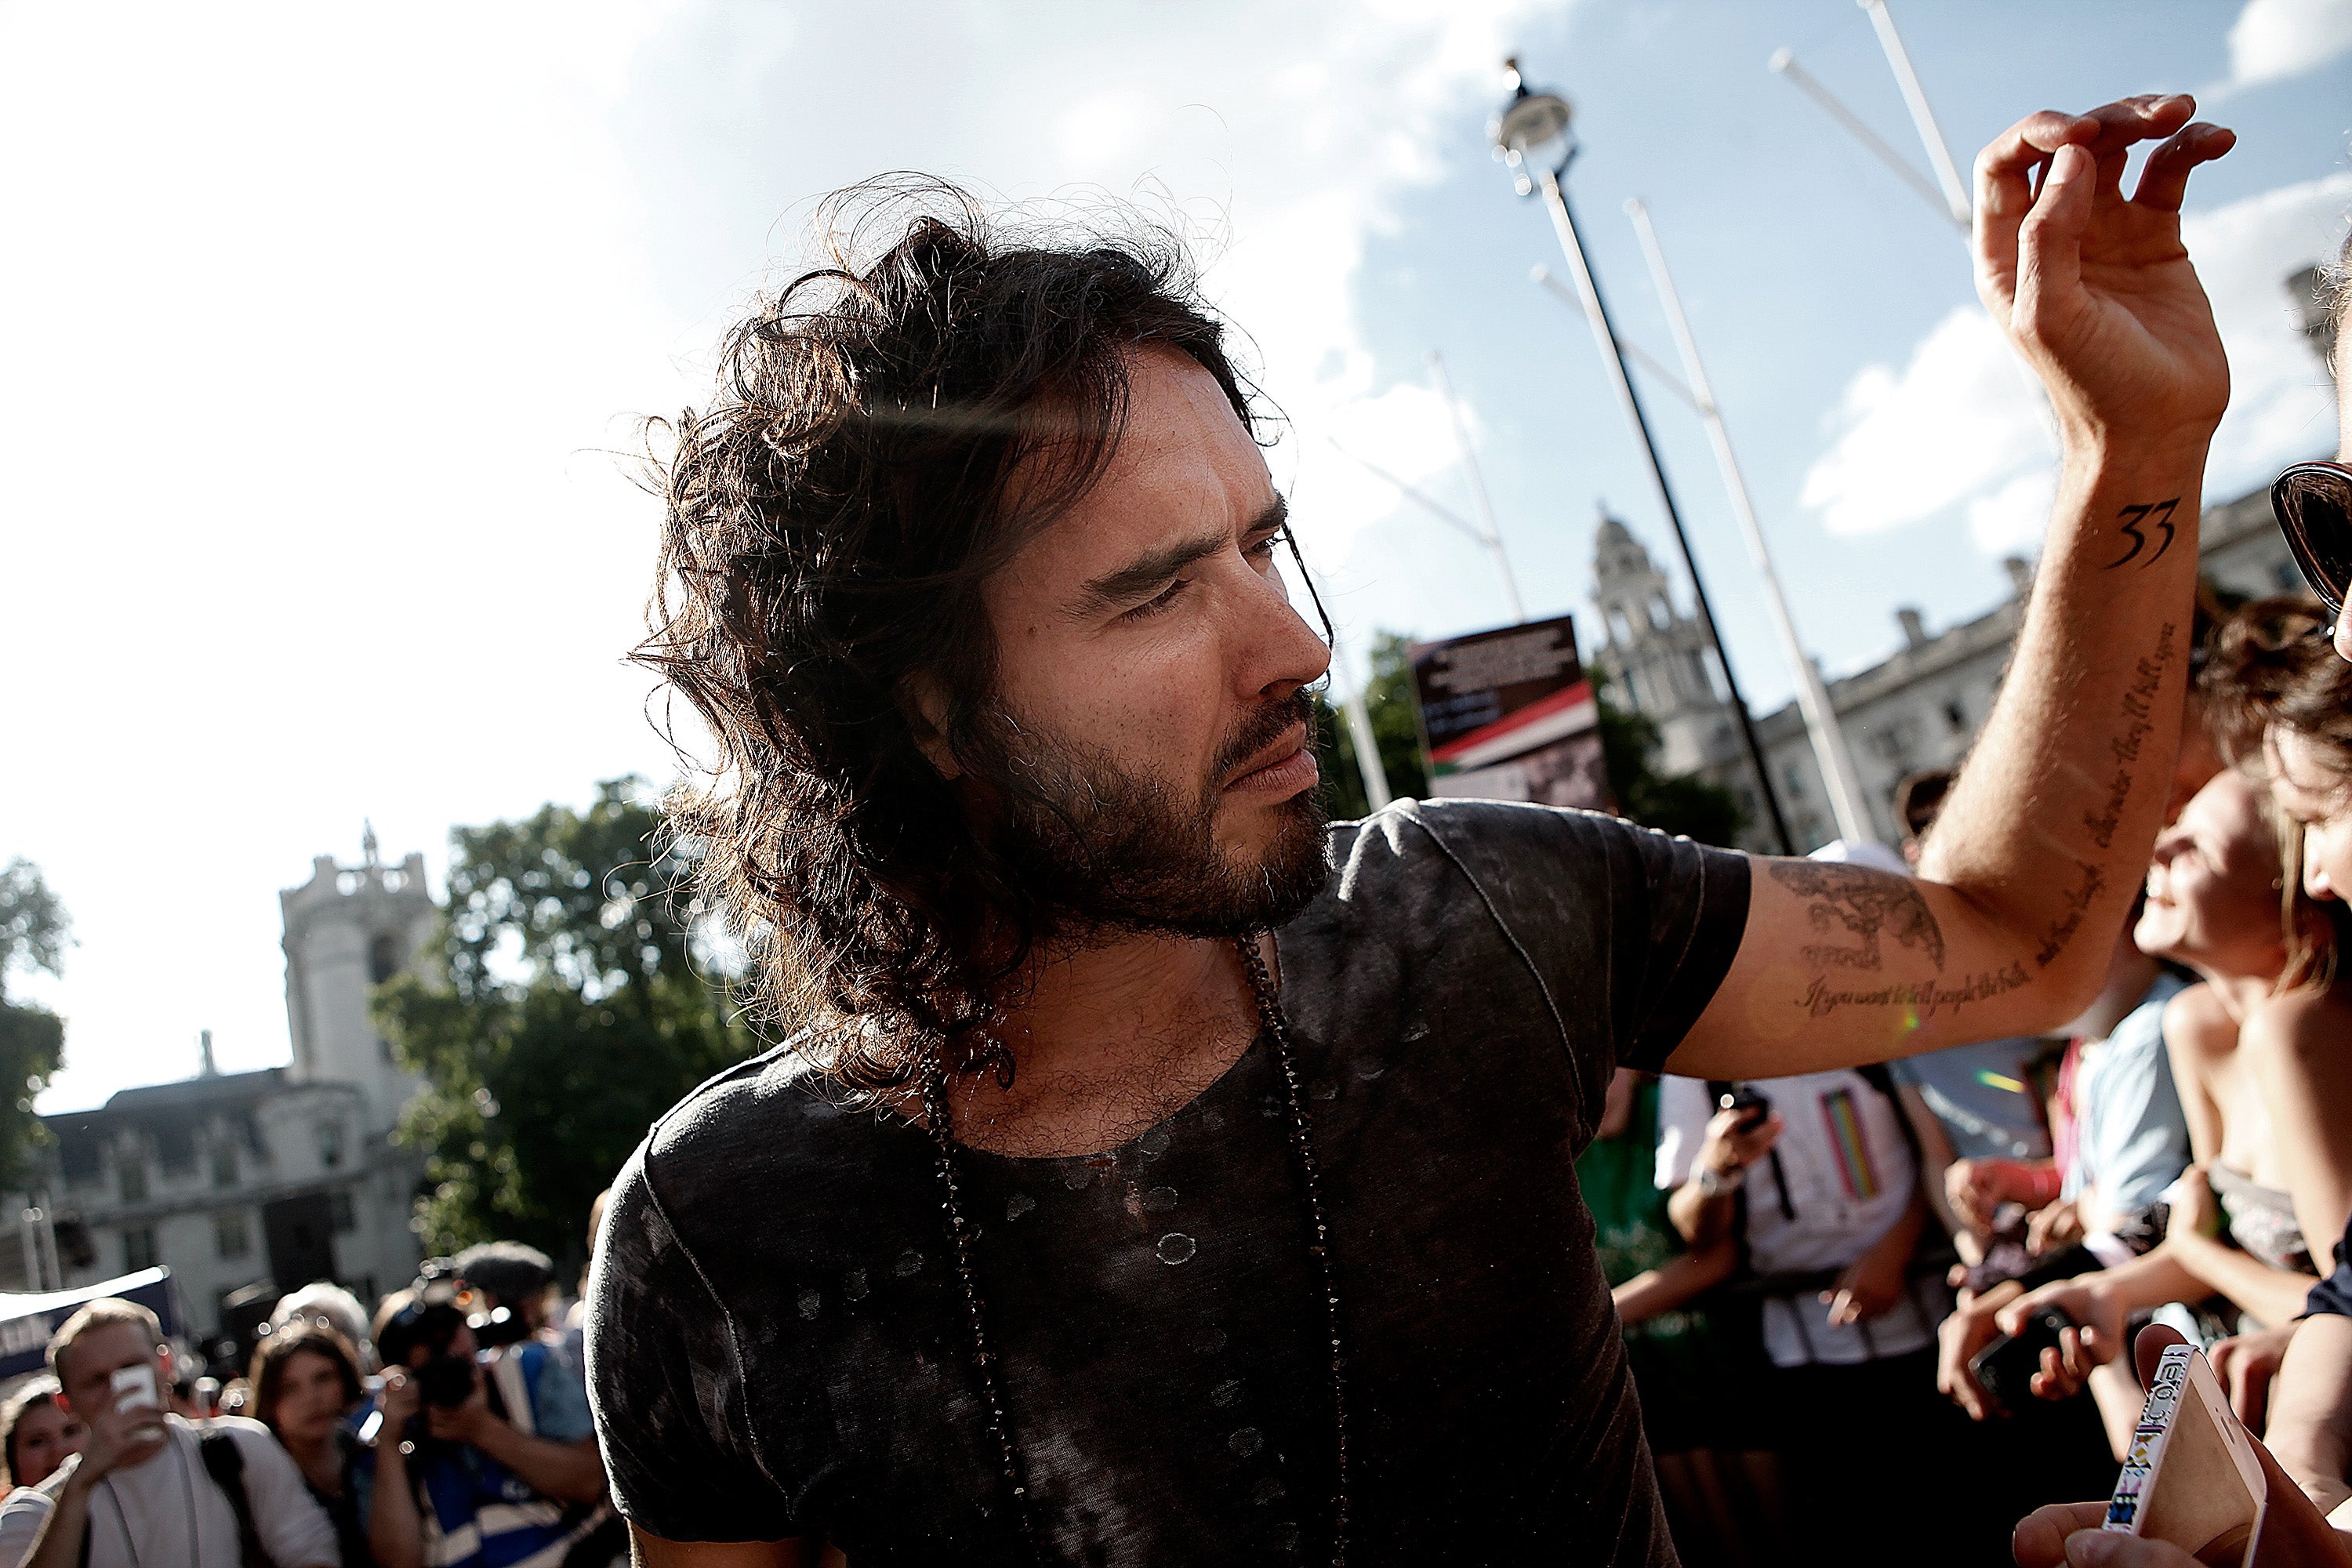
x: 1531, y: 135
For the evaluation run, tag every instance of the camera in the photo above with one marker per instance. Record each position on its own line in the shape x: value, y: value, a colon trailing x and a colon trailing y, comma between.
x: 447, y: 1381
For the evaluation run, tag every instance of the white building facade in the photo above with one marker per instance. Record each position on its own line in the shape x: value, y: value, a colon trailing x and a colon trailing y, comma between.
x: 1919, y: 709
x: 253, y: 1184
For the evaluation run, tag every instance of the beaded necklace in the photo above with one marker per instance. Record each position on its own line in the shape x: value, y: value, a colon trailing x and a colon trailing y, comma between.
x: 1302, y: 1143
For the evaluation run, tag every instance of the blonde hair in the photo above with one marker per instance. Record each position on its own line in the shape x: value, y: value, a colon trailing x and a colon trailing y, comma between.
x: 106, y: 1312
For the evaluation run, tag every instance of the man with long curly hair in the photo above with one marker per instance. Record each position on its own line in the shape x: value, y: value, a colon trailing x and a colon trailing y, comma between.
x: 1149, y: 1170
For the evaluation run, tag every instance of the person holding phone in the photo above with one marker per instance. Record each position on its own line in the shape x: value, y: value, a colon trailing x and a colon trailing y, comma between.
x: 150, y: 1489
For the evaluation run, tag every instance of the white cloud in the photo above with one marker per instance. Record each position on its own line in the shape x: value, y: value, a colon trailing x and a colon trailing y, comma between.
x: 1958, y: 420
x: 2275, y: 39
x: 2011, y: 519
x: 1957, y: 427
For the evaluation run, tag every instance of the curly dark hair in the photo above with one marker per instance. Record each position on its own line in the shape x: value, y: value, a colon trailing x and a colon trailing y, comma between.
x: 887, y: 434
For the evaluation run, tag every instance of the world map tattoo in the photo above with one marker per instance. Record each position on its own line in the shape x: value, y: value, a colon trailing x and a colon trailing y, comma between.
x: 2156, y: 514
x: 1863, y: 905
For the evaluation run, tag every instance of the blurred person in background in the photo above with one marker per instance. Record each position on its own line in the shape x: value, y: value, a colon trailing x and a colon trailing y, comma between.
x: 1697, y: 1375
x: 306, y: 1384
x: 329, y: 1306
x: 36, y: 1433
x: 1974, y: 1102
x: 2122, y: 1141
x: 461, y: 1474
x: 516, y: 1285
x: 2259, y: 1060
x: 150, y: 1489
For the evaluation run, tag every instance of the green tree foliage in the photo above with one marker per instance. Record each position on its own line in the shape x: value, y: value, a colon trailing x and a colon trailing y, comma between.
x: 1683, y: 803
x: 1389, y: 702
x: 562, y: 1011
x: 34, y: 931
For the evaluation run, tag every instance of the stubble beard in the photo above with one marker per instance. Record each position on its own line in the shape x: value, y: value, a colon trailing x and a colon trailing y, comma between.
x: 1111, y: 853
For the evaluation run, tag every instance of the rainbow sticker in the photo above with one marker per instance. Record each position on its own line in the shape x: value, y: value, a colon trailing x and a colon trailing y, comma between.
x: 1854, y: 1167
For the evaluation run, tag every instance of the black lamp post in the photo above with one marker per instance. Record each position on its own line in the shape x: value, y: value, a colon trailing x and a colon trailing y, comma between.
x: 1531, y: 134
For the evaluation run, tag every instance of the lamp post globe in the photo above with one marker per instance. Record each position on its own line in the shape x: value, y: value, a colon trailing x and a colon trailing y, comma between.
x: 1531, y: 130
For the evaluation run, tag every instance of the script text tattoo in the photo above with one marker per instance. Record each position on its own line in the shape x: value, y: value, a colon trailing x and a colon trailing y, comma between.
x: 2138, y: 712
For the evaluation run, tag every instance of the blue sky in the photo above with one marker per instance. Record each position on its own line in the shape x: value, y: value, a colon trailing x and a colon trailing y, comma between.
x: 336, y: 322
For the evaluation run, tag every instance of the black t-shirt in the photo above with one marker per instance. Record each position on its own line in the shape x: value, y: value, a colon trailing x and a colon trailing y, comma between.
x: 778, y: 1343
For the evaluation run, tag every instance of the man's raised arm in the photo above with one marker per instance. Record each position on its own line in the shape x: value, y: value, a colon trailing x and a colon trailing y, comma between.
x: 2033, y: 863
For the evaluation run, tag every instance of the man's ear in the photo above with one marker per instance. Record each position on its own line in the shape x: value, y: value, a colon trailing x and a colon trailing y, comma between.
x: 925, y: 704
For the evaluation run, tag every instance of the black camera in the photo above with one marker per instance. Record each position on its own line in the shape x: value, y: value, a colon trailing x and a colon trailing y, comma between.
x: 1753, y: 1105
x: 447, y: 1381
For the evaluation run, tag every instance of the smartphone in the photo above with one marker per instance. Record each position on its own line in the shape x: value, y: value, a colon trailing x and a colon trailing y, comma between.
x: 1754, y: 1105
x: 2005, y: 1368
x: 134, y: 1389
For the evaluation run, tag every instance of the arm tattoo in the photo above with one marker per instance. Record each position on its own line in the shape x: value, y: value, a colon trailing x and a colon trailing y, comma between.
x: 1862, y: 904
x: 2159, y: 514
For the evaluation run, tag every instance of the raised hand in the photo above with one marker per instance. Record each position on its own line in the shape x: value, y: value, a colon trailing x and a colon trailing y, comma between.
x: 2095, y: 288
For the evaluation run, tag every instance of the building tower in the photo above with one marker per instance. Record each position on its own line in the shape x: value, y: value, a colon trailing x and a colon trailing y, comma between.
x: 1655, y: 654
x: 347, y: 930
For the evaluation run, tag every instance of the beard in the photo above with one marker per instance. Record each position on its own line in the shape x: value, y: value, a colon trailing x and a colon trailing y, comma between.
x: 1107, y: 851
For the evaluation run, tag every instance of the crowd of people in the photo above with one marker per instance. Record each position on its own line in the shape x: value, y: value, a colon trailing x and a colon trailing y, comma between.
x: 449, y: 1428
x: 1153, y: 1170
x: 1842, y: 1247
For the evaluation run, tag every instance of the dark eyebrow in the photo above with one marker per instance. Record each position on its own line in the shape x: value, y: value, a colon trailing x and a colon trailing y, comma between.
x: 1113, y: 589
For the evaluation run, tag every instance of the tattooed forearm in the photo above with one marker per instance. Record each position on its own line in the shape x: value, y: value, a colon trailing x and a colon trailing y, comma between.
x: 2153, y: 514
x: 1863, y: 905
x: 1925, y: 998
x: 2070, y: 920
x: 2139, y: 706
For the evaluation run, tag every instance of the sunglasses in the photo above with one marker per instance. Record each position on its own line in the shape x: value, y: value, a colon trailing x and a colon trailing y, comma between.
x: 2313, y: 504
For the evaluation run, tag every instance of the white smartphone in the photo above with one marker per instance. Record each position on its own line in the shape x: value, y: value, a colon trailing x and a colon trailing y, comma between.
x: 135, y: 1385
x: 2190, y: 1475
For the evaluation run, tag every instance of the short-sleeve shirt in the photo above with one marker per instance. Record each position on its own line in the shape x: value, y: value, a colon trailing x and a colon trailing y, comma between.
x: 139, y: 1517
x: 1847, y: 1172
x: 2131, y: 1139
x: 778, y: 1344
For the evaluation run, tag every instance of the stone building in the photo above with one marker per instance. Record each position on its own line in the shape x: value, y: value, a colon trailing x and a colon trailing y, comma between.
x: 1919, y: 709
x: 276, y: 1177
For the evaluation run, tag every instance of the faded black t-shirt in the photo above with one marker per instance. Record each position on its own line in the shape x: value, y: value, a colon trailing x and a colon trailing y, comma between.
x: 778, y: 1344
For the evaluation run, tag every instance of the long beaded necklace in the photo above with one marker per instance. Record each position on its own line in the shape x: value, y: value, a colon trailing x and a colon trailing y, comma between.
x: 1302, y: 1143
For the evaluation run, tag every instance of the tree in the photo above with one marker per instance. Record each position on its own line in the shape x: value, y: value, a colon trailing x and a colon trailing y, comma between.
x: 34, y: 931
x: 1683, y: 804
x: 563, y: 1009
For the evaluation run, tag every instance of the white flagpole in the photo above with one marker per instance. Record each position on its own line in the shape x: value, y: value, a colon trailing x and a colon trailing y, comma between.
x: 1847, y: 803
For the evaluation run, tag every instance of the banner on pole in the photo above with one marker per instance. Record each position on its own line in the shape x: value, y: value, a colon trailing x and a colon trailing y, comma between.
x: 1509, y: 714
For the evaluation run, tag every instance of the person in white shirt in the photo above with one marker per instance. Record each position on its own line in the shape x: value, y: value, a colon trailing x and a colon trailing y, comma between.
x: 144, y: 1492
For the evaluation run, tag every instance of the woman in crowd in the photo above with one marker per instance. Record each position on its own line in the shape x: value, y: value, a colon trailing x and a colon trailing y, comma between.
x: 2257, y: 1055
x: 36, y: 1433
x: 306, y: 1380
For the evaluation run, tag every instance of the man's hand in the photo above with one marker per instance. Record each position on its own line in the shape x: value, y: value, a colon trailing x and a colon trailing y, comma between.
x: 2068, y: 1533
x: 2098, y: 1341
x: 1977, y: 1188
x: 1872, y: 1283
x: 1737, y: 1140
x: 2054, y: 1228
x: 2246, y: 1364
x: 2195, y: 1210
x: 398, y: 1404
x: 119, y: 1439
x: 1958, y: 1339
x: 2096, y: 290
